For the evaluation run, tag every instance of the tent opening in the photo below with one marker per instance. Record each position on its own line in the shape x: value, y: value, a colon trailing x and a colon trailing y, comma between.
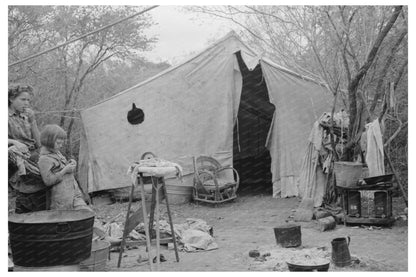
x: 251, y: 158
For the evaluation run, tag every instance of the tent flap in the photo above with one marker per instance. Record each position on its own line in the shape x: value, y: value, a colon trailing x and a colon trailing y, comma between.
x: 298, y: 104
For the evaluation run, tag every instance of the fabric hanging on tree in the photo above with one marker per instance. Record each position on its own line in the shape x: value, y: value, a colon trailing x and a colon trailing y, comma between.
x: 312, y: 179
x: 374, y: 153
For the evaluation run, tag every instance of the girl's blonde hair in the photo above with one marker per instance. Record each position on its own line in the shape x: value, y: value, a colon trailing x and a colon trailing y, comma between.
x: 50, y: 134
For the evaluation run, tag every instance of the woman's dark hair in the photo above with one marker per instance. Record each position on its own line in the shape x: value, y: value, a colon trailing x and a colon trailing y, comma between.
x: 16, y: 89
x: 50, y: 134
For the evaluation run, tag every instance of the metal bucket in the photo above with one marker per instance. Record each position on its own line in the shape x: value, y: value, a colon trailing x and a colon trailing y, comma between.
x: 347, y: 173
x: 99, y: 256
x: 51, y: 238
x: 179, y: 194
x: 340, y: 253
x: 288, y: 235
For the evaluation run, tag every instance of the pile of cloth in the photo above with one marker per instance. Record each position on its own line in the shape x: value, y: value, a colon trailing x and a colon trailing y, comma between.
x: 340, y: 127
x: 155, y: 167
x: 194, y: 235
x: 317, y: 161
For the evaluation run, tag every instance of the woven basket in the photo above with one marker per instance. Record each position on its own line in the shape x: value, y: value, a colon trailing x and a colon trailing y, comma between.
x: 347, y: 173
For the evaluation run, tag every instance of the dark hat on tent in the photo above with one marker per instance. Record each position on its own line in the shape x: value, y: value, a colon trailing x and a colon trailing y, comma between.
x: 135, y: 115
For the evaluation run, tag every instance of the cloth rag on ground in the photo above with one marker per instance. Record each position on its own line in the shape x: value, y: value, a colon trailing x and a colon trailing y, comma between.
x: 113, y: 231
x: 374, y: 156
x: 193, y: 236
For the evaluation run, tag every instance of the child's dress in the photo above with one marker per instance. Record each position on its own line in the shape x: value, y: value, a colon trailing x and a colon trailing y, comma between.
x: 65, y: 193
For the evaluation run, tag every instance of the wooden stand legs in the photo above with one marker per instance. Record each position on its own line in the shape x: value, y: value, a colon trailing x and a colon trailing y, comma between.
x: 156, y: 198
x: 155, y: 203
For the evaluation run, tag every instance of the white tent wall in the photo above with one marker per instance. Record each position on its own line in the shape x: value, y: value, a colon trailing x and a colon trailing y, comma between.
x: 189, y: 110
x: 299, y: 103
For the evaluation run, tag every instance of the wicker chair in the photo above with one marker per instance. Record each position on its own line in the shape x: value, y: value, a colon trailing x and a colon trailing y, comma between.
x: 208, y: 187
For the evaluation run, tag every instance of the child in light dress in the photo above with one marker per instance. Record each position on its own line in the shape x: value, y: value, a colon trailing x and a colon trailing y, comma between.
x: 58, y: 172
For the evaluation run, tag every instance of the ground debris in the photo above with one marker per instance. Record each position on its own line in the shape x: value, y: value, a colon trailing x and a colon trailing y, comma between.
x: 278, y: 258
x: 161, y: 259
x: 254, y: 253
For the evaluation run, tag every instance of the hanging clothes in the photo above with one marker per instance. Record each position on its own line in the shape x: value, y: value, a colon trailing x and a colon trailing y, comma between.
x: 374, y: 156
x: 312, y: 179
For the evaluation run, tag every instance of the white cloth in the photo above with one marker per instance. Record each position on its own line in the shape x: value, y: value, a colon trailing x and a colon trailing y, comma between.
x: 193, y: 236
x: 19, y: 159
x: 154, y: 167
x: 374, y: 153
x: 312, y: 180
x: 195, y: 240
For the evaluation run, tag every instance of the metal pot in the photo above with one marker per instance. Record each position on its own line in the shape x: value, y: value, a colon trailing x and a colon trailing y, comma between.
x: 298, y: 267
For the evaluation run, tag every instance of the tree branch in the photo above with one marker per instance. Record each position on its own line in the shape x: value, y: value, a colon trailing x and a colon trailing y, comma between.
x: 353, y: 85
x: 401, y: 126
x: 344, y: 58
x: 379, y: 90
x: 373, y: 52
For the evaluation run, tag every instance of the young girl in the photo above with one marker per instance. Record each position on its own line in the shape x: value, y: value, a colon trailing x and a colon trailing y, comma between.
x: 58, y: 172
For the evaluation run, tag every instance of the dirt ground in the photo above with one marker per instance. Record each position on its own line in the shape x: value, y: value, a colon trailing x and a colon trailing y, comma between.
x: 248, y: 223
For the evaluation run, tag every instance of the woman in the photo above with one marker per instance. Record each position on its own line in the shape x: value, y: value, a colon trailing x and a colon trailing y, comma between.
x: 24, y: 143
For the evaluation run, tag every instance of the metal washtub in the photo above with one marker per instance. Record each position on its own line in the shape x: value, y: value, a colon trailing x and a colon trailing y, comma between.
x: 51, y: 238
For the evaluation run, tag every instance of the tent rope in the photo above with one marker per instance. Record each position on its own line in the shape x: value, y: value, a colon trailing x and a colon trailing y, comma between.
x: 59, y: 111
x: 81, y: 37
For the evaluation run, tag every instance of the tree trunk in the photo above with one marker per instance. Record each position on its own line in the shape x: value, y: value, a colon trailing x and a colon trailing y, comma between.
x: 355, y: 81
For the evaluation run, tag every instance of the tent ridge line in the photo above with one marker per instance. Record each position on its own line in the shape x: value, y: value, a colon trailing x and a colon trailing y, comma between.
x: 293, y: 73
x: 229, y: 35
x: 279, y: 67
x: 212, y: 56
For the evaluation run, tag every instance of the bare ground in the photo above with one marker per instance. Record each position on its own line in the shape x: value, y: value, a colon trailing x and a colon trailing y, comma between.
x: 247, y: 224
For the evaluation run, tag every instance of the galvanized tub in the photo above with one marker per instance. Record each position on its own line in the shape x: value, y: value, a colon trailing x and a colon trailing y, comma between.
x: 51, y: 238
x: 347, y: 173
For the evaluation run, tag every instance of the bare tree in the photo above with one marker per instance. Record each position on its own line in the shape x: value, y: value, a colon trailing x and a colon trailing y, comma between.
x: 73, y: 64
x: 343, y: 45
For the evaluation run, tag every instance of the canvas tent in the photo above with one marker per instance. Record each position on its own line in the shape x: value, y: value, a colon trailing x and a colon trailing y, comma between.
x: 226, y: 102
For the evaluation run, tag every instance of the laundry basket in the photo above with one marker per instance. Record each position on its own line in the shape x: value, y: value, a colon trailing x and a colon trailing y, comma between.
x: 347, y: 173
